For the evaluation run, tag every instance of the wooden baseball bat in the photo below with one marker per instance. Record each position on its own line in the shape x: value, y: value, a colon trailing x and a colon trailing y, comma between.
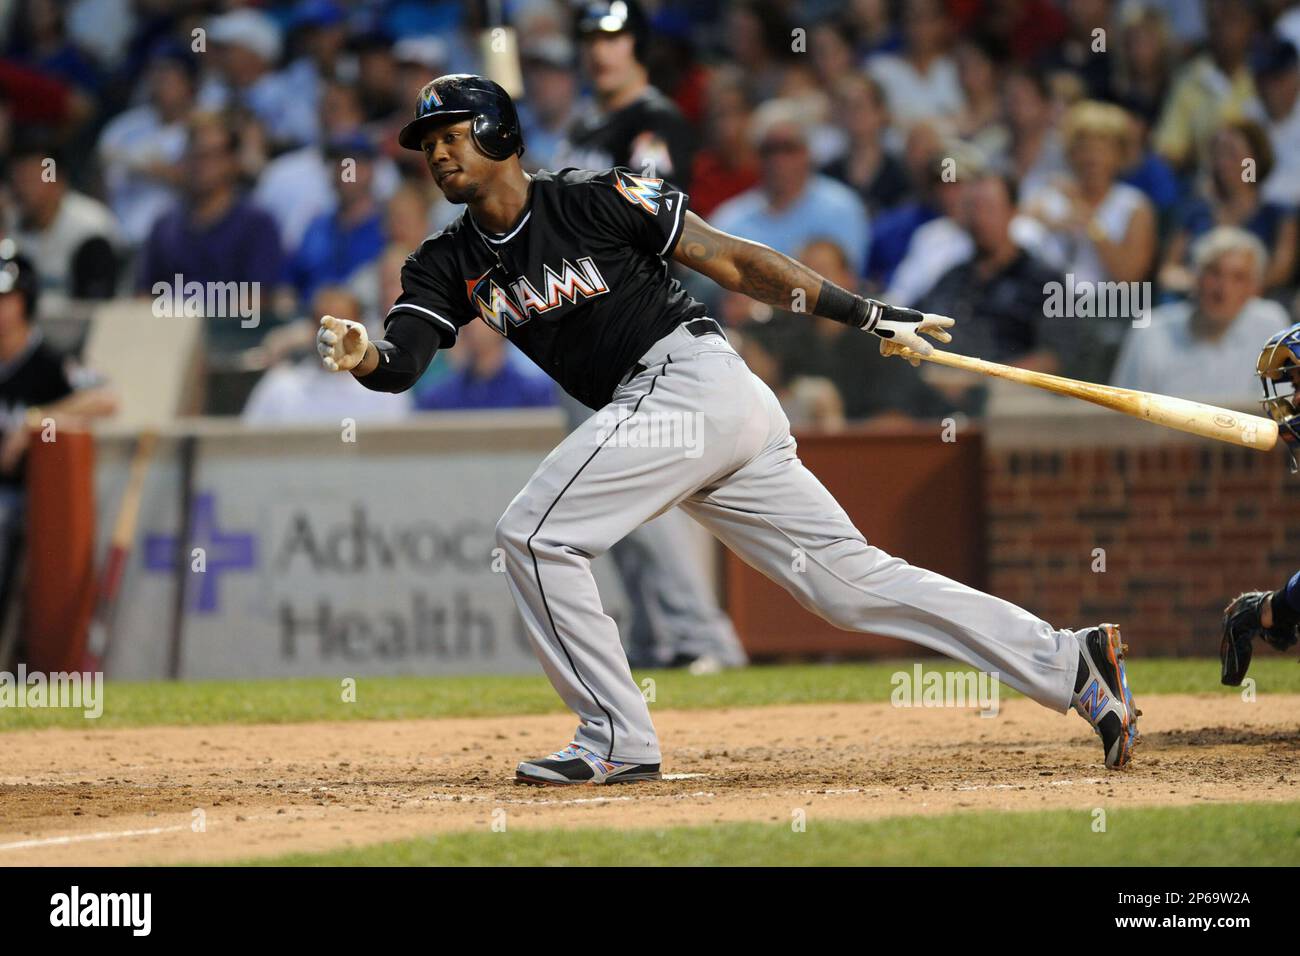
x: 1197, y: 418
x: 119, y: 550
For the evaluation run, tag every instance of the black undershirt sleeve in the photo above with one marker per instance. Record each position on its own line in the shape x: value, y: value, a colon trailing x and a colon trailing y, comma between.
x: 409, y: 345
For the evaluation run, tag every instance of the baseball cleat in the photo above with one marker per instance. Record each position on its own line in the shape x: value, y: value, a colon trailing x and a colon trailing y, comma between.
x: 576, y: 764
x: 1101, y: 694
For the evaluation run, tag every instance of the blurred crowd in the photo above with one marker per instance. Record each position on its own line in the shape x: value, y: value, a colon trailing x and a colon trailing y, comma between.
x: 968, y: 157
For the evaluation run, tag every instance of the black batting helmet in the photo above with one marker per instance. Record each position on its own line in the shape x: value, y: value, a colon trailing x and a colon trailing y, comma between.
x: 462, y: 96
x: 614, y: 16
x: 17, y: 274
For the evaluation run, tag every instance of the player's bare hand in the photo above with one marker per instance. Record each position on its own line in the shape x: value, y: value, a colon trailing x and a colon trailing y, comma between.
x: 341, y: 343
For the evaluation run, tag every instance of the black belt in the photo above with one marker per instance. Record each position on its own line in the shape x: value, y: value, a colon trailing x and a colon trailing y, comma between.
x: 697, y: 328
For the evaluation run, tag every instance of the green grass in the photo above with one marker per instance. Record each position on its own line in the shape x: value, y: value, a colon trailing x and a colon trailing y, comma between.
x: 392, y: 698
x: 1261, y: 834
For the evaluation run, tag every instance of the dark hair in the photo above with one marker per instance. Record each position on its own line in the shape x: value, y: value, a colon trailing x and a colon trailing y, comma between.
x: 223, y: 121
x: 1258, y: 142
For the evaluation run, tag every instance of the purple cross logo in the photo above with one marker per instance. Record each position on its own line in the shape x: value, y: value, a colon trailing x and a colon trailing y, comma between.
x: 226, y: 551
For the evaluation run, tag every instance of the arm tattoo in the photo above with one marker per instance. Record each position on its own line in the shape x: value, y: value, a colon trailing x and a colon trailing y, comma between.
x: 743, y: 266
x: 773, y: 278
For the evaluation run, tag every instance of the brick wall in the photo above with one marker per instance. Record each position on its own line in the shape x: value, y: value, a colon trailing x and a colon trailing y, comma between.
x: 1184, y: 528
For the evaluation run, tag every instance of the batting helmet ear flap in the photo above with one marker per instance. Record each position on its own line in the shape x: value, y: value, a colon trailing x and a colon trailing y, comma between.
x: 497, y: 136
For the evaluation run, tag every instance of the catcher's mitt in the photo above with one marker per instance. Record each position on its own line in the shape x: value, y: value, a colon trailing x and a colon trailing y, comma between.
x: 1241, y: 625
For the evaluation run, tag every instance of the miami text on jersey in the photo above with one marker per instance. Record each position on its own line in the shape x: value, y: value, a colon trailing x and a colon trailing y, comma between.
x: 572, y: 281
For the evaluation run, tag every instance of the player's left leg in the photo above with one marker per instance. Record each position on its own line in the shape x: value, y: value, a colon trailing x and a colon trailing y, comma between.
x: 683, y: 423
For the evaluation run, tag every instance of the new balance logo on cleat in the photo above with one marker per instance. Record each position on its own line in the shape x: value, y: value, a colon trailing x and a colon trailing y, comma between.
x: 1103, y: 698
x: 1094, y: 699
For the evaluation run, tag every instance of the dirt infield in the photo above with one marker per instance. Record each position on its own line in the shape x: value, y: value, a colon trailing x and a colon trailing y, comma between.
x: 130, y: 796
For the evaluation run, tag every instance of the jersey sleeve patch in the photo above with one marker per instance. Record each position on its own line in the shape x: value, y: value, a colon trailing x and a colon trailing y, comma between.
x: 649, y: 212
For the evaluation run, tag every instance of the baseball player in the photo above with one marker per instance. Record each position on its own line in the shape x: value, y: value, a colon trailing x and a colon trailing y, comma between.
x: 573, y: 267
x: 1273, y: 616
x: 632, y: 123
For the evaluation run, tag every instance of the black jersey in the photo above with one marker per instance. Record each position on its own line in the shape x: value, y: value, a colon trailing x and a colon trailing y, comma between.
x: 580, y: 284
x: 649, y: 136
x: 34, y: 377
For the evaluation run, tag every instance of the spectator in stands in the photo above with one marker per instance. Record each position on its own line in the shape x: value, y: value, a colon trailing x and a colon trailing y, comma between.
x: 1205, y: 349
x: 141, y: 149
x: 1215, y: 87
x: 297, y: 187
x: 1241, y: 159
x: 550, y: 107
x: 246, y: 46
x: 38, y: 38
x: 1102, y: 230
x: 1078, y: 53
x: 484, y: 377
x: 921, y: 82
x: 879, y: 179
x: 297, y: 391
x: 1034, y: 155
x: 997, y: 295
x: 214, y: 235
x: 941, y: 242
x: 379, y: 81
x: 726, y: 164
x: 1144, y: 62
x: 71, y: 236
x: 320, y: 34
x: 793, y: 204
x: 891, y: 233
x: 874, y: 28
x: 757, y: 34
x: 1277, y: 77
x: 339, y: 243
x: 981, y: 122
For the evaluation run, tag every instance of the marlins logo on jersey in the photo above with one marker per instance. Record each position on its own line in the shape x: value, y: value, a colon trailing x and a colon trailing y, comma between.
x: 495, y: 305
x: 640, y: 191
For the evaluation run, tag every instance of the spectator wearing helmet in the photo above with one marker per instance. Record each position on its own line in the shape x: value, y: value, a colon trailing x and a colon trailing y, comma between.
x: 1205, y: 349
x: 793, y: 204
x: 631, y: 123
